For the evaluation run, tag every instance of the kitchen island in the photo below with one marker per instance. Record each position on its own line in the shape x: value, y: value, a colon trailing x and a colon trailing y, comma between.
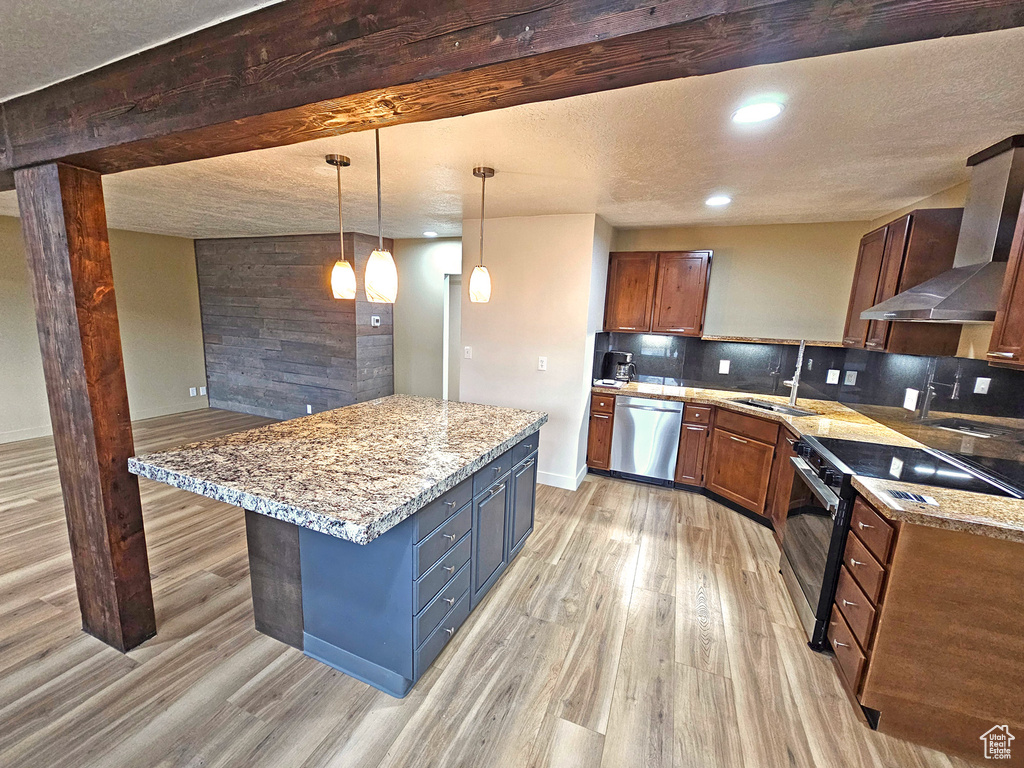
x: 373, y: 530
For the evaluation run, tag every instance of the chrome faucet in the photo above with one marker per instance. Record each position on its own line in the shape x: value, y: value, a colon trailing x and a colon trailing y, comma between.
x: 931, y: 384
x: 794, y: 383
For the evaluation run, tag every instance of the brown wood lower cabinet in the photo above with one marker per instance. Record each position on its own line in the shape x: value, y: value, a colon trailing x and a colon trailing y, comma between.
x: 599, y: 439
x: 692, y: 448
x: 739, y: 469
x: 782, y: 483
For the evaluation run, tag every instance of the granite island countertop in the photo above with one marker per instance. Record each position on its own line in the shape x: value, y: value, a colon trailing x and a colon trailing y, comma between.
x: 354, y: 472
x: 982, y: 514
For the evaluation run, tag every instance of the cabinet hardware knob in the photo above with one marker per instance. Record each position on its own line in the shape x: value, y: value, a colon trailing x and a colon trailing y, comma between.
x: 847, y: 602
x: 449, y: 536
x: 864, y: 525
x: 855, y: 563
x: 449, y: 503
x: 449, y: 568
x: 450, y: 631
x: 840, y: 645
x: 450, y: 600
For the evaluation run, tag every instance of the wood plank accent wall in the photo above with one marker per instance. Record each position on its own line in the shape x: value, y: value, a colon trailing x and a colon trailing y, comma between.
x: 275, y: 339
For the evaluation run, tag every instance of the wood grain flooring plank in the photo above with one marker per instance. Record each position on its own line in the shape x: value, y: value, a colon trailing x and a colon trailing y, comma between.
x: 706, y: 731
x: 641, y: 724
x: 700, y: 626
x: 568, y: 746
x: 656, y: 570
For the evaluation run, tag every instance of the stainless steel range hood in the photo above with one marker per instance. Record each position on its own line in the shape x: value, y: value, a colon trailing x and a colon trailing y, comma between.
x: 969, y: 292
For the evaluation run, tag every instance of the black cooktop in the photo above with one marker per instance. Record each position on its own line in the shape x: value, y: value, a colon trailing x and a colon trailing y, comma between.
x: 909, y: 465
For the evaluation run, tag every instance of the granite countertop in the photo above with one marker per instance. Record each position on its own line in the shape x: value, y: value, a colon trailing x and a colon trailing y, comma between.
x: 982, y: 514
x: 353, y: 473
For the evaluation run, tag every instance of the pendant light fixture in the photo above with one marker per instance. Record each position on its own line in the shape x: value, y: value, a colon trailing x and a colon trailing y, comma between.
x: 343, y: 277
x: 381, y: 273
x: 480, y: 280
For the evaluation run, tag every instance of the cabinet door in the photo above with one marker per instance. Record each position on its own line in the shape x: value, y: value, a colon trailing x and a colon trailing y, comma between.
x: 692, y: 445
x: 865, y: 286
x: 681, y: 293
x: 740, y: 469
x: 1007, y: 345
x: 782, y: 490
x: 524, y: 499
x: 599, y: 441
x: 490, y: 518
x: 630, y: 295
x: 889, y: 278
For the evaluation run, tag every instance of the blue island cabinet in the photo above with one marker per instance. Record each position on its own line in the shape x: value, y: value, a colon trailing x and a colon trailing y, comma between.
x: 383, y: 611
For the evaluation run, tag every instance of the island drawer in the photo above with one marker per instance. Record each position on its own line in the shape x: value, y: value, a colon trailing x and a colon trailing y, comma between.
x: 866, y: 571
x: 431, y: 582
x: 525, y: 448
x: 873, y: 529
x: 439, y: 638
x: 428, y: 619
x: 432, y: 548
x: 855, y: 607
x: 486, y: 477
x: 440, y: 509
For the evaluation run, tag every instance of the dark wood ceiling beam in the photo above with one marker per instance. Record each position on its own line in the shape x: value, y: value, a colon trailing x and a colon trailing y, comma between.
x: 311, y: 68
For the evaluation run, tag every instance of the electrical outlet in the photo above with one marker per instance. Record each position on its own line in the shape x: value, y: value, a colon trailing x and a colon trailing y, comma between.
x: 723, y: 366
x: 850, y: 379
x: 191, y: 391
x: 468, y: 353
x: 309, y: 408
x: 981, y: 385
x: 202, y: 390
x: 810, y: 364
x: 375, y: 321
x: 832, y: 377
x: 910, y: 399
x: 542, y: 363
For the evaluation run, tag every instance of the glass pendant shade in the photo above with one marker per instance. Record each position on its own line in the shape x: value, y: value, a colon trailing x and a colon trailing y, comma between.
x: 381, y: 278
x: 343, y: 280
x: 480, y: 285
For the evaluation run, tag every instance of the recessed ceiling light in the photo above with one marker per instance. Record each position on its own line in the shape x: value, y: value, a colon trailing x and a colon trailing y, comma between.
x: 717, y: 201
x: 757, y: 112
x: 430, y: 233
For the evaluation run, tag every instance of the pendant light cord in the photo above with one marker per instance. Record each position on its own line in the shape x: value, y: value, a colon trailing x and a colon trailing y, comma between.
x: 380, y: 223
x: 483, y: 197
x: 341, y: 229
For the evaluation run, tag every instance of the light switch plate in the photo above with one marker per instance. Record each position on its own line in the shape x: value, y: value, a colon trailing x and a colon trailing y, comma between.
x: 723, y: 366
x: 850, y: 379
x: 832, y: 377
x: 468, y: 353
x: 191, y: 391
x: 910, y: 399
x: 981, y: 385
x: 542, y: 363
x: 202, y: 390
x: 309, y: 408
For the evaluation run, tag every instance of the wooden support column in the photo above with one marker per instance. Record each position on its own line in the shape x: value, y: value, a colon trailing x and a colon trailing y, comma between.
x: 65, y: 229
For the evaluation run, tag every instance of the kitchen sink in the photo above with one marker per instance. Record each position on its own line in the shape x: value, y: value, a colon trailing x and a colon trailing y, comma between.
x: 785, y: 409
x: 972, y: 428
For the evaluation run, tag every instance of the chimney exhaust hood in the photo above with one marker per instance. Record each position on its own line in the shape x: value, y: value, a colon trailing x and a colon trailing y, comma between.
x: 969, y: 292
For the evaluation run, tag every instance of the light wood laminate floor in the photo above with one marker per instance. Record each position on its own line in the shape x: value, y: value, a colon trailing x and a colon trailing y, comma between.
x: 640, y: 627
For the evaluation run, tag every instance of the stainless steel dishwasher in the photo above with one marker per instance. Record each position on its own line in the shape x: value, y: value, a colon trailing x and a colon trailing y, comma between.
x: 645, y: 437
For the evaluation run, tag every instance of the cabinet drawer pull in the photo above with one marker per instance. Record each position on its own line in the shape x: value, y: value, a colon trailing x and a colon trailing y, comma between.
x: 529, y: 464
x: 855, y: 563
x: 449, y: 568
x: 449, y: 600
x: 629, y: 328
x: 847, y: 602
x: 496, y: 491
x: 450, y: 631
x: 449, y: 504
x: 791, y: 440
x: 600, y: 416
x: 840, y: 645
x: 497, y: 471
x: 1006, y: 355
x: 449, y: 536
x: 737, y: 439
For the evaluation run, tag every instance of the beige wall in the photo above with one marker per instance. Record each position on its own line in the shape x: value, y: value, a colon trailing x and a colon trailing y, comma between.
x: 548, y: 276
x: 781, y: 281
x: 420, y: 313
x: 161, y: 335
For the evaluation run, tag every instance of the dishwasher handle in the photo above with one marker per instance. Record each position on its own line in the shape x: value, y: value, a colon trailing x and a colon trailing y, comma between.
x: 648, y: 408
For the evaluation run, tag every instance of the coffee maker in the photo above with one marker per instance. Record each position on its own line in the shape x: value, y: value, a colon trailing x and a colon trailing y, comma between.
x: 618, y: 366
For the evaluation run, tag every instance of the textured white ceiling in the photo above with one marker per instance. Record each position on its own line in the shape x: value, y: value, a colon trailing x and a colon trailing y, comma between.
x: 45, y: 41
x: 863, y: 134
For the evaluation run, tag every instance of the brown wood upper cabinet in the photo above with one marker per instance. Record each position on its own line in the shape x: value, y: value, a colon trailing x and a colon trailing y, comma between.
x: 1007, y: 345
x: 913, y: 248
x: 660, y: 292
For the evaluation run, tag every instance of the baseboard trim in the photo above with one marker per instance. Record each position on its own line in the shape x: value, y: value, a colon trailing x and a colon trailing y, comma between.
x: 28, y: 433
x: 566, y: 482
x: 198, y: 403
